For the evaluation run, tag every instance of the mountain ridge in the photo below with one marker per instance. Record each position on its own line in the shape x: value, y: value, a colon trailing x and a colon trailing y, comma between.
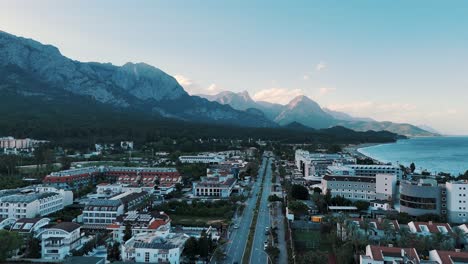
x: 314, y: 116
x: 133, y: 85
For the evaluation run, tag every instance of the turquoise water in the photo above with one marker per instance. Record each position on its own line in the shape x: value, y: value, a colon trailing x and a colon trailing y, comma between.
x: 435, y: 154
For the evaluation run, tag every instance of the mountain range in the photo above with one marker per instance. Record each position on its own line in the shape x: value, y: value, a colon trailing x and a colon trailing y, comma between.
x: 307, y: 112
x: 30, y: 69
x: 131, y: 86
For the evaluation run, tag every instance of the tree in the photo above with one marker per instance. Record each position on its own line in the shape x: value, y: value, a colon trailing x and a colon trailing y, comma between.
x: 317, y: 190
x: 299, y: 192
x: 204, y: 244
x: 65, y: 162
x: 113, y: 253
x: 9, y: 243
x: 299, y: 208
x: 34, y: 248
x: 412, y: 167
x: 361, y: 205
x: 191, y: 247
x: 127, y: 232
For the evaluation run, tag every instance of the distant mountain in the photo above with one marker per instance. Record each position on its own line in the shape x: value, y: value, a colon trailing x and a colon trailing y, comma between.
x: 304, y: 111
x: 429, y: 129
x: 138, y: 87
x: 346, y: 117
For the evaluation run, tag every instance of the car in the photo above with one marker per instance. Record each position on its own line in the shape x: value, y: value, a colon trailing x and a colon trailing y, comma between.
x: 265, y: 245
x: 236, y: 226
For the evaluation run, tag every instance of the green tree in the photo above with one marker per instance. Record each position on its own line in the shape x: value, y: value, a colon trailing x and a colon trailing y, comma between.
x: 299, y: 208
x: 34, y: 248
x: 412, y: 167
x: 299, y: 192
x: 191, y: 247
x: 9, y: 243
x: 113, y: 253
x: 127, y: 232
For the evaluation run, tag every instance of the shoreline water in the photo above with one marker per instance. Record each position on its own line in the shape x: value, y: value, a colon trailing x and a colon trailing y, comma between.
x: 430, y: 154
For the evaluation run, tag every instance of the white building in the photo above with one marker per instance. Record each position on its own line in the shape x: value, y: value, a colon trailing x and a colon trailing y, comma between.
x: 450, y: 257
x: 457, y: 201
x: 385, y: 187
x: 153, y: 248
x: 429, y: 228
x: 99, y: 213
x: 389, y: 255
x: 205, y: 159
x: 59, y: 240
x: 315, y: 165
x: 33, y: 202
x: 373, y: 170
x: 105, y: 190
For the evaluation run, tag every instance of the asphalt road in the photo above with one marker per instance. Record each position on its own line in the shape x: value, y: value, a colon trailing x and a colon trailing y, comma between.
x: 238, y: 238
x: 258, y: 253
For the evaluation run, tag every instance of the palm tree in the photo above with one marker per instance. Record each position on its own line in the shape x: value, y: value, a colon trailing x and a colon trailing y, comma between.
x: 459, y: 236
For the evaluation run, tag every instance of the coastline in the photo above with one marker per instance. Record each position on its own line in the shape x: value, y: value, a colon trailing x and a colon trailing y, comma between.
x: 353, y: 150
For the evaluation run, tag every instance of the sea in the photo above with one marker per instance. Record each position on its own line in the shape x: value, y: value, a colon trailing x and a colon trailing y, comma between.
x: 434, y: 154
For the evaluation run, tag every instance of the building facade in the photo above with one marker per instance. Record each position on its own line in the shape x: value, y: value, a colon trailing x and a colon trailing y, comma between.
x: 58, y: 241
x: 457, y: 201
x: 422, y: 197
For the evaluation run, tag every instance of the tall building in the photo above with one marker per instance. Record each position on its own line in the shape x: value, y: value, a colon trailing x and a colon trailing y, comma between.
x: 315, y: 165
x: 457, y: 201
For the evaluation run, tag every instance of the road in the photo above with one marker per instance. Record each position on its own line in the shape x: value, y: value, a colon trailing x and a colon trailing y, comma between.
x: 238, y: 238
x: 258, y: 253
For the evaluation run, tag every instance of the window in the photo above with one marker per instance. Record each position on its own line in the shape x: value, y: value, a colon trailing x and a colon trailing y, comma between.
x: 147, y: 256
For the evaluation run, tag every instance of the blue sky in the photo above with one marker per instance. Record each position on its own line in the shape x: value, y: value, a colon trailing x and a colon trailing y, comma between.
x: 403, y: 61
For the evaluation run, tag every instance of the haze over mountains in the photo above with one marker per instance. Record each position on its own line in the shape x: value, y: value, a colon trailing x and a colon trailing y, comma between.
x: 307, y: 112
x: 31, y: 69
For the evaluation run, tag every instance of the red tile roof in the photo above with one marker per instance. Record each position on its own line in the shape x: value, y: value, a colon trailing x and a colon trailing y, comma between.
x: 452, y: 256
x: 432, y: 226
x: 378, y: 252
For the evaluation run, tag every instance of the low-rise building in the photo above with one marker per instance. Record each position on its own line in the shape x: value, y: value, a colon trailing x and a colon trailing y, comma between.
x: 449, y: 257
x: 389, y: 255
x: 204, y: 159
x: 429, y: 228
x: 153, y: 248
x: 215, y: 186
x: 31, y: 202
x: 99, y: 213
x: 148, y: 223
x: 33, y: 226
x: 58, y: 241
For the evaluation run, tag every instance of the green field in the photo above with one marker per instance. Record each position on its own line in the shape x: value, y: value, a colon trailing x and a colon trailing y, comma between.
x: 310, y: 240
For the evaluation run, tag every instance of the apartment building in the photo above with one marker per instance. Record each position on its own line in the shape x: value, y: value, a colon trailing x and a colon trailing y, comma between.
x: 99, y: 213
x: 59, y: 240
x: 373, y: 170
x: 73, y: 178
x: 315, y: 165
x: 457, y: 201
x: 33, y: 202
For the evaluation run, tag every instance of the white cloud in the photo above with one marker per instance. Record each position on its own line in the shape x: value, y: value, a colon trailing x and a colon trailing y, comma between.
x: 320, y: 66
x: 193, y: 87
x: 277, y: 95
x: 306, y: 77
x: 326, y: 90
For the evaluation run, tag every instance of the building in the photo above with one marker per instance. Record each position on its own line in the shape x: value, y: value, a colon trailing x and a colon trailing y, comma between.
x: 73, y: 178
x: 205, y: 159
x: 449, y: 257
x: 315, y: 165
x: 457, y: 201
x: 373, y: 170
x: 220, y: 186
x: 429, y: 228
x: 107, y: 190
x: 33, y: 226
x: 389, y: 255
x: 380, y: 205
x: 133, y: 176
x: 33, y: 202
x: 59, y: 240
x: 99, y: 213
x: 26, y: 144
x: 375, y: 228
x: 126, y: 145
x: 148, y: 223
x: 422, y: 197
x: 153, y: 248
